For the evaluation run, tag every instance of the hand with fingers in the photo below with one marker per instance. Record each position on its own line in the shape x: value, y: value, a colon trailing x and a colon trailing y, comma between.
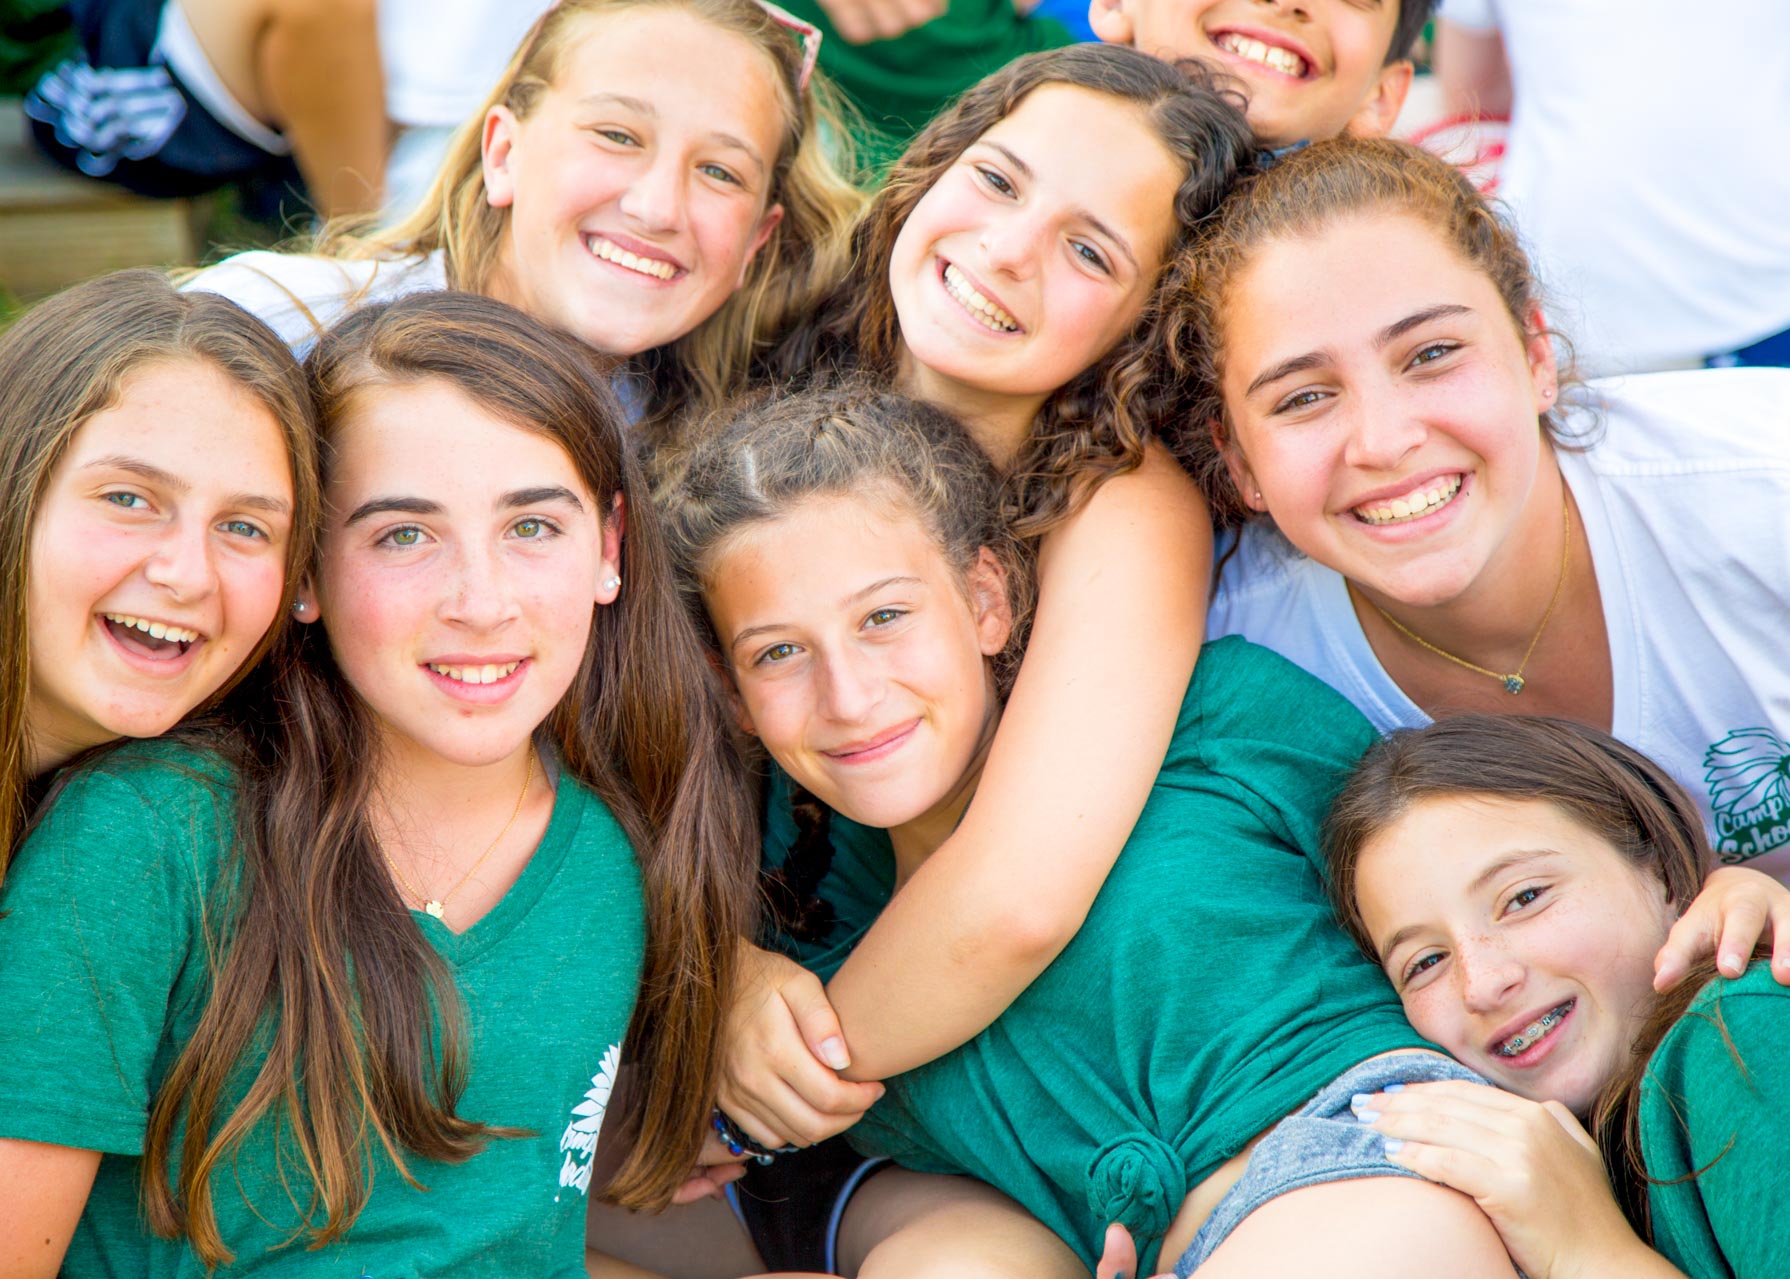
x: 1736, y: 910
x: 1530, y: 1166
x: 715, y: 1167
x: 783, y: 1053
x: 861, y: 21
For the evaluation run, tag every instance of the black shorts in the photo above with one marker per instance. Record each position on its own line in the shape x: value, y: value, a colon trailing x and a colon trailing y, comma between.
x: 792, y: 1208
x: 117, y: 111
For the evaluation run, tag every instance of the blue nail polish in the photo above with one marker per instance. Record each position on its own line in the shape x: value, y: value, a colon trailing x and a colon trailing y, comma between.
x: 1359, y: 1100
x: 1393, y: 1088
x: 1366, y: 1116
x: 1393, y: 1145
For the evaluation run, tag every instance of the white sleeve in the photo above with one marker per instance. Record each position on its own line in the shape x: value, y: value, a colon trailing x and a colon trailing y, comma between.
x: 295, y: 295
x: 1479, y: 15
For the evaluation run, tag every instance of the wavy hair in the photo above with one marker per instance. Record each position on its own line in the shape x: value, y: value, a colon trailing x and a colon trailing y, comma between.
x: 321, y: 955
x: 808, y: 251
x: 1095, y: 426
x: 1298, y: 195
x: 854, y: 438
x: 69, y: 358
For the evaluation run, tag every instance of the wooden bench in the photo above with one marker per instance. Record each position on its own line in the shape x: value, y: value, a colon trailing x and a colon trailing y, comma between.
x: 57, y: 227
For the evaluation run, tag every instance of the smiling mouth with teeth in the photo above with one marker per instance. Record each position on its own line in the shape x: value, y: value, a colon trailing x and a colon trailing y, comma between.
x: 144, y: 634
x: 1271, y: 56
x: 991, y: 316
x: 607, y: 252
x: 1412, y: 506
x: 487, y: 674
x: 1531, y: 1034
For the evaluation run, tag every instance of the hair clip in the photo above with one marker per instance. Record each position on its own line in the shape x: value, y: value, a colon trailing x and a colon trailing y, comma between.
x: 809, y: 33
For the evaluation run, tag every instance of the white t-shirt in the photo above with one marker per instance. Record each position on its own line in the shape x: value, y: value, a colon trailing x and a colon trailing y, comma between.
x: 441, y: 57
x: 1685, y: 495
x: 298, y: 295
x: 1647, y: 174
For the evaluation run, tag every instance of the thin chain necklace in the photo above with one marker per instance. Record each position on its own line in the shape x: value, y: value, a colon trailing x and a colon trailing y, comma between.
x: 438, y: 906
x: 1513, y: 681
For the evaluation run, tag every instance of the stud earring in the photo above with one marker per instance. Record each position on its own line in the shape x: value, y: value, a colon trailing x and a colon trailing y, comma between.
x: 298, y: 606
x: 612, y: 583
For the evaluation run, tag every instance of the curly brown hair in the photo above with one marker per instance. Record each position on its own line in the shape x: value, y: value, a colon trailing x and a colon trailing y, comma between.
x: 1095, y: 426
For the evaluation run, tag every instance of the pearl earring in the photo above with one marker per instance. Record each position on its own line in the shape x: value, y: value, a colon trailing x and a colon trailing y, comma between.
x: 612, y: 583
x: 298, y: 606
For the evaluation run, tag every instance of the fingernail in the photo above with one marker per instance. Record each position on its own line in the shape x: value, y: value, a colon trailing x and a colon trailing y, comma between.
x: 1393, y: 1145
x: 1363, y: 1112
x: 1393, y: 1088
x: 832, y: 1051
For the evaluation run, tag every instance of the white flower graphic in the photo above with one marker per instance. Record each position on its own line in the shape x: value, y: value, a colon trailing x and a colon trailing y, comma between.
x: 579, y: 1141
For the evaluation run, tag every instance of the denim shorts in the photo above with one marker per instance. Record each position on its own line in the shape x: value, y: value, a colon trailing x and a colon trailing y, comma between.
x: 1320, y: 1142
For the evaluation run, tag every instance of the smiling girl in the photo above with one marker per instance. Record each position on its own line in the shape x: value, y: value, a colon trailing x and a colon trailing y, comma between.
x: 650, y: 175
x: 380, y: 948
x: 158, y: 482
x: 1012, y: 254
x: 853, y: 565
x: 1512, y: 876
x: 1430, y: 530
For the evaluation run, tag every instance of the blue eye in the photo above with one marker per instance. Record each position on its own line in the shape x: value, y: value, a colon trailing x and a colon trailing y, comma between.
x: 1433, y: 352
x: 618, y: 136
x: 1092, y: 256
x: 995, y: 180
x: 127, y: 501
x: 242, y: 528
x: 718, y: 173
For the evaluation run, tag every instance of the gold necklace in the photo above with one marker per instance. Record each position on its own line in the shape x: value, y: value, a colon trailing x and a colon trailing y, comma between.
x: 1513, y: 682
x: 438, y: 906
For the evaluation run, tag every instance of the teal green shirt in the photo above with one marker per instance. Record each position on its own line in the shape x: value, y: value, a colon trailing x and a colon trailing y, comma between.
x: 1208, y: 995
x: 104, y: 973
x: 1715, y: 1132
x: 898, y: 85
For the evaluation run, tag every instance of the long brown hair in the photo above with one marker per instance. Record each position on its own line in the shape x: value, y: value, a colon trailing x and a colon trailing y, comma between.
x: 1095, y: 426
x: 1612, y: 789
x: 67, y: 359
x: 807, y: 252
x: 320, y: 944
x: 1298, y: 195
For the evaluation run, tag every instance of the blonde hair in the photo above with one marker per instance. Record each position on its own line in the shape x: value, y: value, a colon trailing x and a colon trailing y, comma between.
x: 808, y: 251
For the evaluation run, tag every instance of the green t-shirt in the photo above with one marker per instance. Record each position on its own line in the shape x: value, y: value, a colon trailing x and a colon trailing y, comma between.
x: 900, y: 84
x: 1208, y: 995
x: 104, y: 973
x: 1717, y: 1098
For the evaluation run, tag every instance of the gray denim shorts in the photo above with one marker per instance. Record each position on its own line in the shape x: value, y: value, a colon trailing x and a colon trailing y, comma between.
x: 1320, y: 1142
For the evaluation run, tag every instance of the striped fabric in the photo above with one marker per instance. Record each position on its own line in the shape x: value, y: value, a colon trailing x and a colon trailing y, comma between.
x: 108, y: 115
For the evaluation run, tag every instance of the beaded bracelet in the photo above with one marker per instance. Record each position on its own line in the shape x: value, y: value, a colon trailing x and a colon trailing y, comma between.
x: 739, y: 1143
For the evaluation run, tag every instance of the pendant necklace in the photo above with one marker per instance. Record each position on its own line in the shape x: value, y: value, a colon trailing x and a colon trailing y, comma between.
x: 438, y: 906
x: 1512, y: 680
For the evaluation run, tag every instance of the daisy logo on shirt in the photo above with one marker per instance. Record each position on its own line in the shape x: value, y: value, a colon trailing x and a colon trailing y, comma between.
x: 1748, y: 773
x: 579, y: 1141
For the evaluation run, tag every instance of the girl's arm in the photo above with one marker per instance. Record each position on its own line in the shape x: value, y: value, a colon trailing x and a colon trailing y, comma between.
x: 1122, y: 589
x: 42, y: 1192
x: 1529, y: 1166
